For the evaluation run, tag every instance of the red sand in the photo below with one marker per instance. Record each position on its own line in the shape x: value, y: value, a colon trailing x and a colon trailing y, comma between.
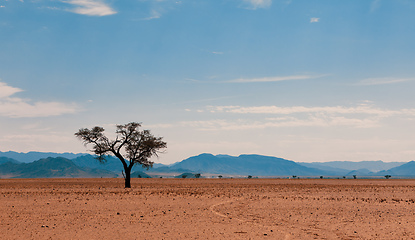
x: 207, y: 209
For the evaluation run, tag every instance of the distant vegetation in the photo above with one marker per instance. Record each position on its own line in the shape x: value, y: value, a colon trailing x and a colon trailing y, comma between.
x: 189, y: 175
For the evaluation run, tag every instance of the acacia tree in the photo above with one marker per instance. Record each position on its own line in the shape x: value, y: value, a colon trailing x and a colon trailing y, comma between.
x: 131, y: 146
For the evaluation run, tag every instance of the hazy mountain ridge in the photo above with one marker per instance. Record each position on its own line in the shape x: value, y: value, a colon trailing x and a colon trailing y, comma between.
x: 260, y: 165
x: 34, y: 156
x: 373, y: 166
x: 86, y: 165
x: 50, y: 168
x: 407, y: 169
x: 6, y: 159
x: 246, y: 165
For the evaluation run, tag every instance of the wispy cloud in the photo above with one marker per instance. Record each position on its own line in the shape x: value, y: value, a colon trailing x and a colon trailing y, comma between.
x: 158, y: 8
x: 362, y: 116
x: 382, y: 81
x: 314, y: 20
x: 16, y: 107
x: 40, y: 141
x: 153, y: 15
x: 255, y: 4
x: 275, y: 79
x: 312, y: 121
x: 91, y: 7
x: 361, y: 109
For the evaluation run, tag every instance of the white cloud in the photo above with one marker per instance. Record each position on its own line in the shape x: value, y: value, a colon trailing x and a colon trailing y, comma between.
x: 314, y: 20
x: 91, y: 7
x: 275, y: 79
x: 15, y: 107
x: 7, y: 91
x: 381, y: 81
x: 255, y: 4
x: 361, y: 109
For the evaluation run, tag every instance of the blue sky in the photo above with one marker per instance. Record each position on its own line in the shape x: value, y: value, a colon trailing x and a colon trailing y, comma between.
x: 318, y: 80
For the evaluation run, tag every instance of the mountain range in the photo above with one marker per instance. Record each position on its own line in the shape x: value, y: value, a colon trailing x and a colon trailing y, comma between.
x: 373, y: 166
x: 244, y: 165
x: 50, y: 168
x: 33, y: 156
x: 86, y: 165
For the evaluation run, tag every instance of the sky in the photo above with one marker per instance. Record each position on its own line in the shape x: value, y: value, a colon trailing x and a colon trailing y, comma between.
x: 304, y: 80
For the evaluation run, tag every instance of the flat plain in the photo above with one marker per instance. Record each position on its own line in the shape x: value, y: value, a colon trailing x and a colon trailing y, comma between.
x: 207, y: 209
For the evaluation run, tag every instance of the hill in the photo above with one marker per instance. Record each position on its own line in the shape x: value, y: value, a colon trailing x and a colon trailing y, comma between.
x: 332, y: 170
x: 139, y: 174
x: 373, y: 166
x: 111, y: 164
x: 6, y: 159
x: 361, y: 172
x: 50, y: 168
x: 33, y: 156
x: 407, y: 169
x: 257, y: 165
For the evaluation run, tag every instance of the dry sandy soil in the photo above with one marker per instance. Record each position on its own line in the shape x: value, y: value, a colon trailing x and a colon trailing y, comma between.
x: 207, y: 209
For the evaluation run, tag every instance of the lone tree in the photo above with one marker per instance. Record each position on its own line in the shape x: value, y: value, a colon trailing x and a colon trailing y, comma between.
x: 131, y: 146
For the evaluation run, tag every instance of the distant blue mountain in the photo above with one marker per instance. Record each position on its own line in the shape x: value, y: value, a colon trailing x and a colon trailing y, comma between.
x: 361, y: 172
x: 254, y: 165
x: 50, y: 168
x: 257, y: 165
x: 332, y: 170
x: 33, y: 156
x: 407, y: 169
x: 6, y: 159
x: 111, y: 164
x: 139, y: 174
x: 373, y: 166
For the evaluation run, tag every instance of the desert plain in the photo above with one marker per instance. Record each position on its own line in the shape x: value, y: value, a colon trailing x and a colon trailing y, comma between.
x: 207, y: 209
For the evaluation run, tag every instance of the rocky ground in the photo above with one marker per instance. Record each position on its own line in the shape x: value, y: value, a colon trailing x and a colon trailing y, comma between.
x: 207, y: 209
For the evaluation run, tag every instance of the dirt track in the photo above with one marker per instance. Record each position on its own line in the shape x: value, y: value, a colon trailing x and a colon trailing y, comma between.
x: 207, y: 209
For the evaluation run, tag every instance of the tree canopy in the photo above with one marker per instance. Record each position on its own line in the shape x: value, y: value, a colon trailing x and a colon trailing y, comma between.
x: 131, y: 146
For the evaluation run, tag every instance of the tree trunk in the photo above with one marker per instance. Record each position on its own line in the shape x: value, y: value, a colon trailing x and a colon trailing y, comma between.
x: 127, y: 178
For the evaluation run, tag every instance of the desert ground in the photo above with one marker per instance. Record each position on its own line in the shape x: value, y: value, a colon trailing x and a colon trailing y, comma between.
x: 207, y: 209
